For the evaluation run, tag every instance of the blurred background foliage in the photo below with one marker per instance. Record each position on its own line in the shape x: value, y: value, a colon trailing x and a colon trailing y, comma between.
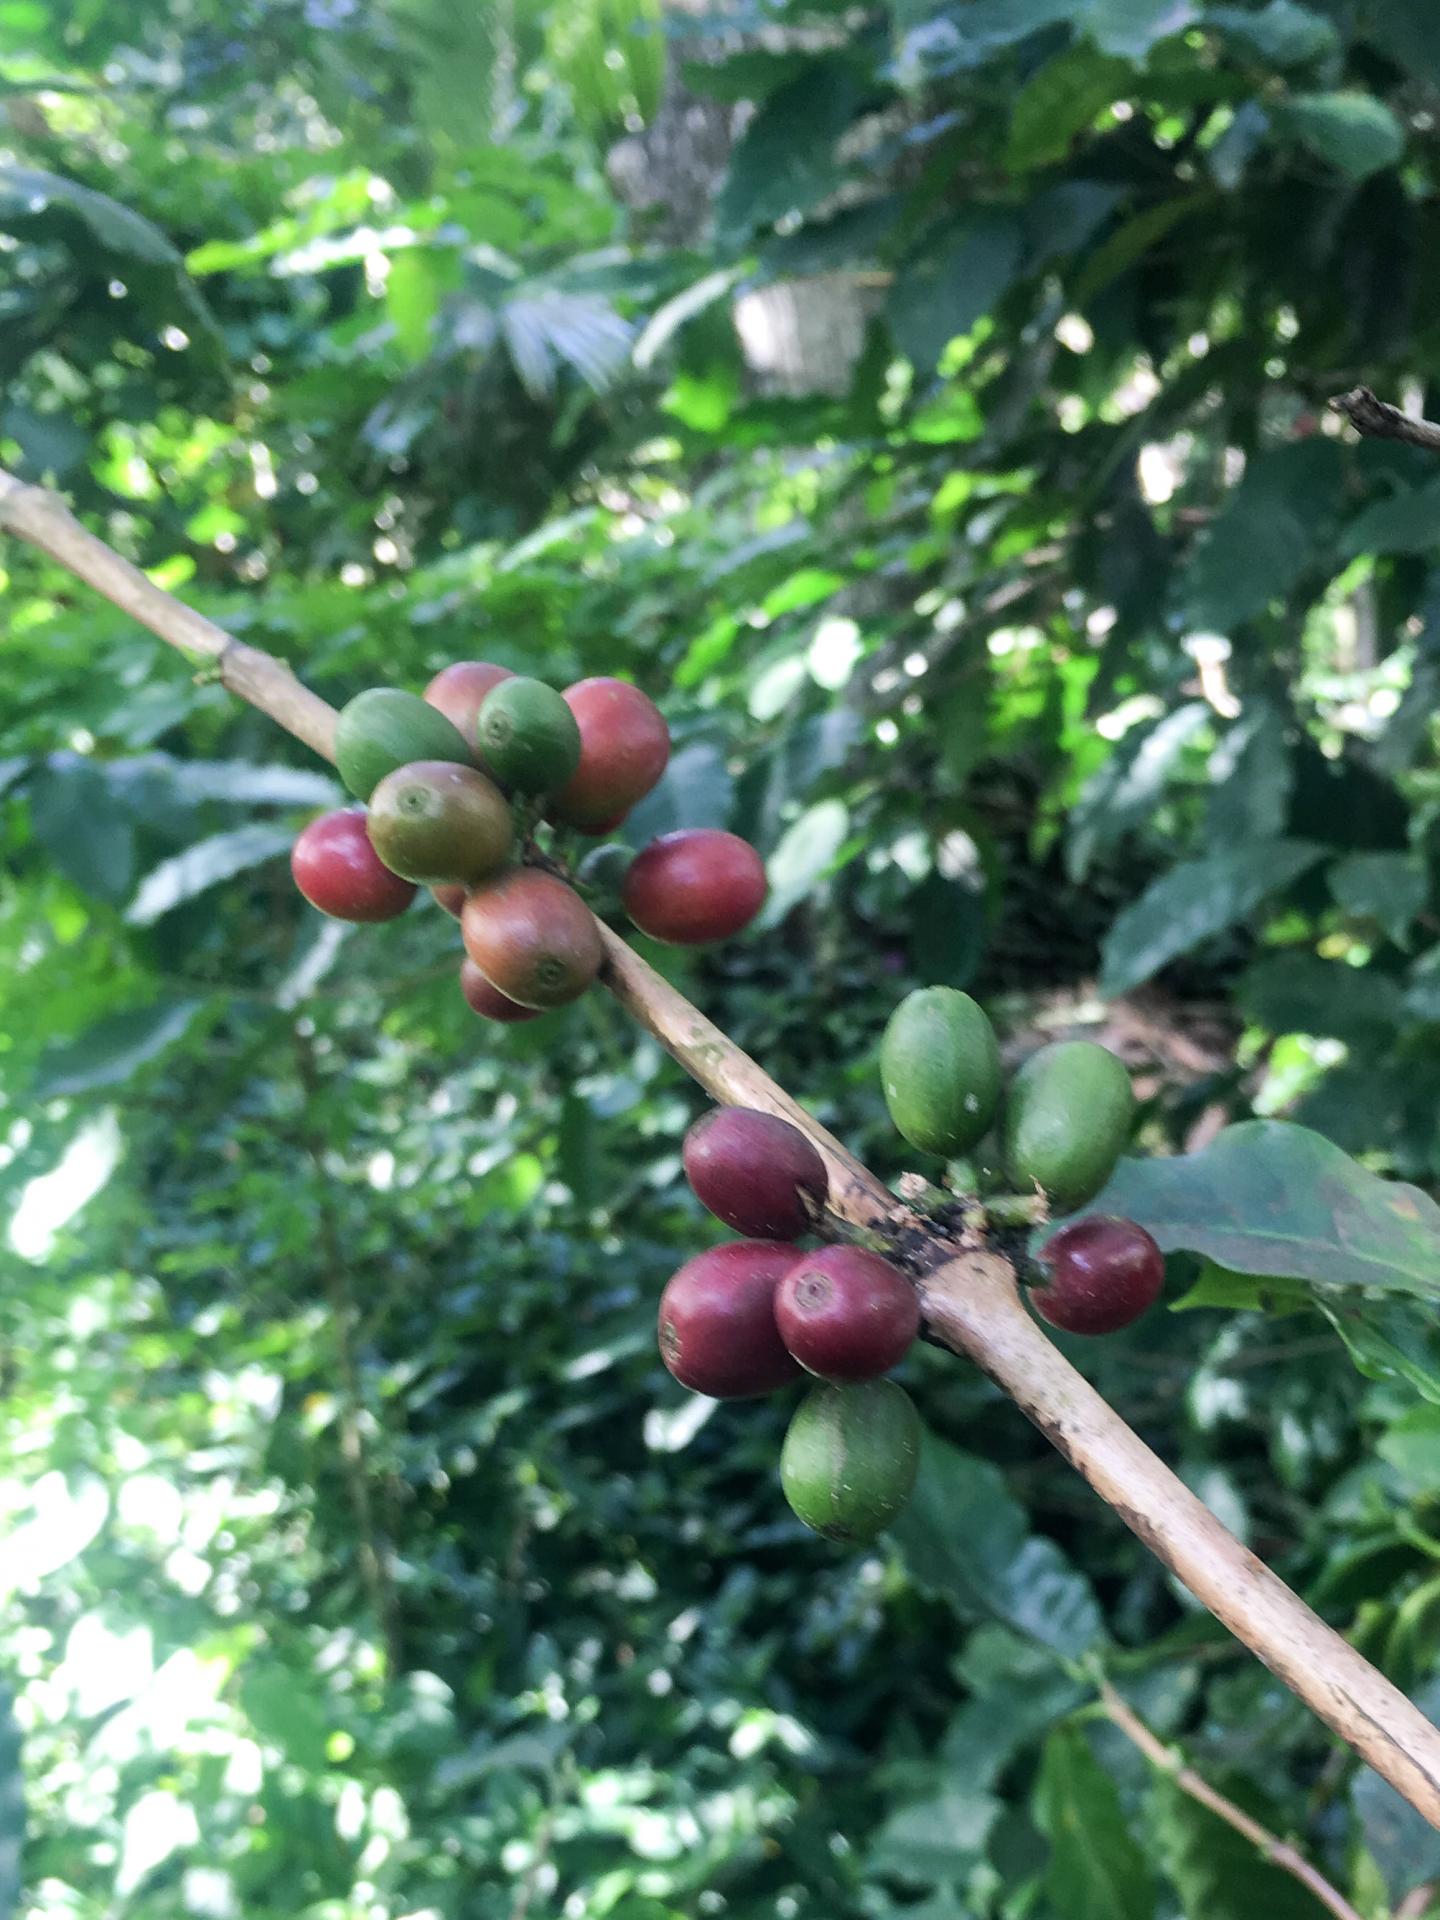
x: 927, y: 405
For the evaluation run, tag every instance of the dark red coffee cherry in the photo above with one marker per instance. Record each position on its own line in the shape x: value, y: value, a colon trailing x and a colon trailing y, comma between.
x: 488, y: 1001
x: 339, y: 871
x: 846, y: 1314
x: 1103, y: 1274
x: 717, y: 1321
x: 694, y: 886
x: 753, y: 1170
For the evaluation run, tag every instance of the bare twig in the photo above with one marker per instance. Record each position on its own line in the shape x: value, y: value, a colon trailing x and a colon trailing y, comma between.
x: 1378, y: 420
x: 1268, y: 1845
x: 1417, y: 1904
x: 968, y: 1291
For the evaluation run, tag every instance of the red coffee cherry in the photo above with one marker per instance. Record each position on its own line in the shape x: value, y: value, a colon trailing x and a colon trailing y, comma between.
x: 624, y: 749
x: 338, y: 870
x: 1104, y: 1273
x: 846, y: 1314
x: 533, y: 938
x: 753, y: 1170
x: 488, y: 1001
x: 451, y: 898
x: 717, y: 1321
x: 695, y: 886
x: 459, y: 691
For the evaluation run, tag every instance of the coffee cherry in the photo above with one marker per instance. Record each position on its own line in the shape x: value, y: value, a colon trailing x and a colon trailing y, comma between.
x: 695, y: 886
x: 451, y: 898
x: 459, y: 691
x: 717, y: 1321
x: 1104, y: 1273
x: 383, y: 729
x: 533, y: 938
x: 850, y: 1458
x: 488, y: 1001
x: 528, y: 736
x: 338, y: 870
x: 441, y: 824
x: 940, y: 1069
x: 753, y: 1170
x: 1067, y: 1119
x: 624, y: 749
x: 846, y: 1314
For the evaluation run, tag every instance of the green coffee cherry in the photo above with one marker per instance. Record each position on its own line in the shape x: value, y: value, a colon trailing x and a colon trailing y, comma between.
x: 1067, y: 1120
x: 529, y: 737
x: 940, y: 1068
x: 850, y: 1458
x: 383, y: 729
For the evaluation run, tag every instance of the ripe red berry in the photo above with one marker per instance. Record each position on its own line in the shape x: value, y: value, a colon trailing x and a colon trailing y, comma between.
x: 846, y: 1314
x: 624, y: 749
x: 488, y: 1001
x: 753, y: 1170
x: 338, y: 870
x: 452, y: 898
x: 695, y: 886
x: 533, y: 938
x: 717, y: 1321
x: 1104, y: 1273
x: 459, y: 691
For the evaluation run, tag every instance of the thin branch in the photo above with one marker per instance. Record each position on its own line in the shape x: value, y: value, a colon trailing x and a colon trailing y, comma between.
x: 1417, y: 1904
x: 1378, y: 420
x: 968, y: 1291
x: 1279, y: 1853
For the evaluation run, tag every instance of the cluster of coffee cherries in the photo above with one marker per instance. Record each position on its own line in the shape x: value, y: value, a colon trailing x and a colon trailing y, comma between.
x: 757, y: 1314
x: 453, y: 786
x: 1054, y: 1135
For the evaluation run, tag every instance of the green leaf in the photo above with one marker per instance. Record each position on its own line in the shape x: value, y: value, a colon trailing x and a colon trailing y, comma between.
x: 1060, y: 101
x: 1217, y: 1872
x: 1125, y: 792
x: 285, y: 1712
x: 412, y: 299
x: 1193, y: 902
x: 935, y: 1841
x: 1353, y: 131
x: 1298, y: 992
x: 1096, y: 1870
x: 1242, y: 1293
x: 960, y: 275
x: 1133, y: 240
x: 1132, y: 27
x: 698, y: 790
x: 1270, y: 1198
x: 785, y: 162
x: 1390, y: 1338
x: 1284, y: 33
x: 1410, y: 34
x: 807, y: 853
x: 1256, y: 552
x: 1389, y: 888
x: 1405, y: 523
x: 1251, y: 778
x: 203, y: 866
x: 114, y: 1049
x: 76, y: 822
x: 28, y: 191
x: 963, y: 1536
